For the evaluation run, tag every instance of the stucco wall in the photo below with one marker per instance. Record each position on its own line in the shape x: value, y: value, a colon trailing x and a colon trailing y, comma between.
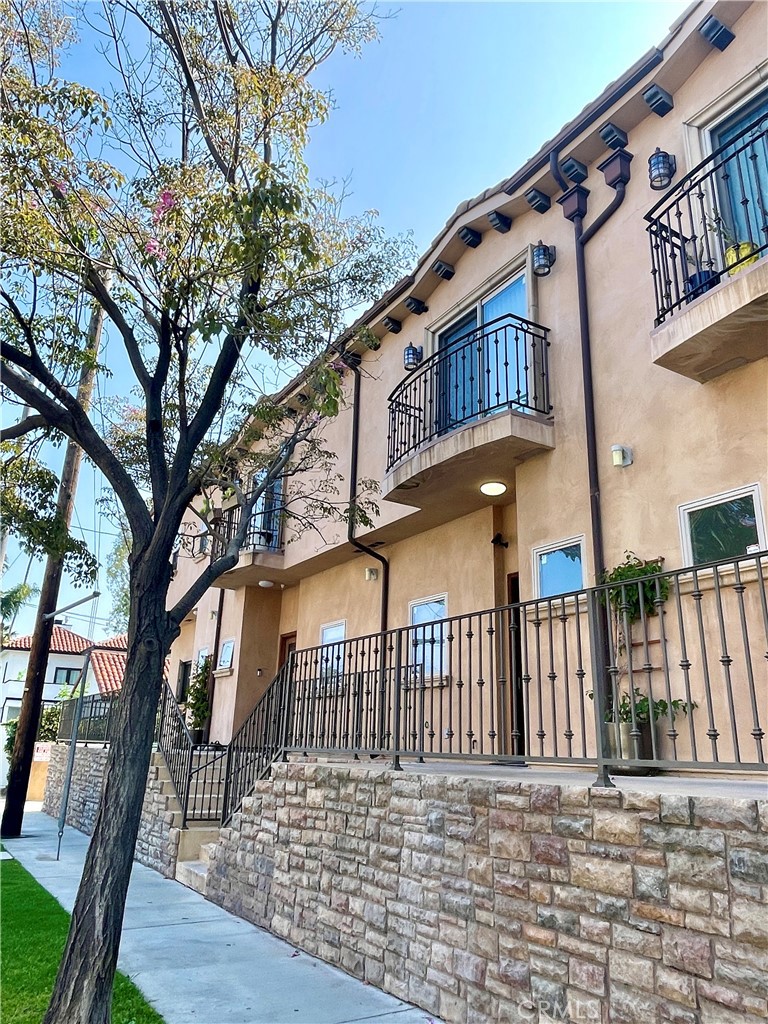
x: 158, y: 840
x: 689, y: 440
x: 489, y: 900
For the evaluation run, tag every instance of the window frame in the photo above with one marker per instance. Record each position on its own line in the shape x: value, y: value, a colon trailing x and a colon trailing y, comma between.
x: 226, y: 655
x: 698, y: 131
x: 442, y: 676
x: 67, y: 669
x: 686, y: 545
x: 521, y: 263
x: 330, y: 681
x: 558, y: 545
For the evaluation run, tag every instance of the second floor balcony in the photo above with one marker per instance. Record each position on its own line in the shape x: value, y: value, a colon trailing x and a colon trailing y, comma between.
x: 709, y: 237
x: 263, y: 547
x: 485, y: 398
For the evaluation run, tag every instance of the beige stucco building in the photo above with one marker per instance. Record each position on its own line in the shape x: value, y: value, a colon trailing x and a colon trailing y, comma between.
x: 665, y: 326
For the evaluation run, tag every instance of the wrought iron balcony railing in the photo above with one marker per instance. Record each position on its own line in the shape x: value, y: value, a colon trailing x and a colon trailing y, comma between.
x: 713, y: 223
x: 265, y: 529
x: 503, y: 365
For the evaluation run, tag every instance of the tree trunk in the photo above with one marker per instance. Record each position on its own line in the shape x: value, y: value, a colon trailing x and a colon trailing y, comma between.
x: 83, y: 990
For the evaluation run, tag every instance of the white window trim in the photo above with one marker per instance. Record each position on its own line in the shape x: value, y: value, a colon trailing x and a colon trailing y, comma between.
x: 717, y: 499
x: 330, y: 625
x: 230, y: 666
x: 697, y: 134
x: 543, y: 549
x: 428, y: 680
x: 425, y: 600
x: 521, y: 263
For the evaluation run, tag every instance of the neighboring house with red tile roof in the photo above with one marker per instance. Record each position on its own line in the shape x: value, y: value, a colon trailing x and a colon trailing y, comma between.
x: 106, y: 669
x: 65, y: 663
x: 63, y: 641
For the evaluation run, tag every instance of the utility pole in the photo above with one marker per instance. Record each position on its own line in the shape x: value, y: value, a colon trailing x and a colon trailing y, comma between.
x: 32, y: 700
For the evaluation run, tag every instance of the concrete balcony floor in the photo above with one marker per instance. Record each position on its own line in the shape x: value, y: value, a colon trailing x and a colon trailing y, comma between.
x: 727, y: 785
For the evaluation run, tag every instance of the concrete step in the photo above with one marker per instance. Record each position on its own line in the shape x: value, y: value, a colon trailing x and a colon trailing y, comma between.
x: 206, y: 850
x: 192, y: 874
x: 193, y: 838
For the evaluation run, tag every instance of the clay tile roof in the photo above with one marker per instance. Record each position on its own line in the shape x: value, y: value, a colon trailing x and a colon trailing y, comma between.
x: 108, y: 669
x: 120, y: 642
x: 63, y: 641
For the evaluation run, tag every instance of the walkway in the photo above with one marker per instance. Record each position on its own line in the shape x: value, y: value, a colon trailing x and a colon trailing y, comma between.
x: 196, y: 963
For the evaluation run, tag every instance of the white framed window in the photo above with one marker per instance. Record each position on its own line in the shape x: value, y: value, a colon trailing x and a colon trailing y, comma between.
x: 558, y: 568
x: 226, y: 655
x: 722, y: 526
x: 332, y: 636
x: 427, y: 654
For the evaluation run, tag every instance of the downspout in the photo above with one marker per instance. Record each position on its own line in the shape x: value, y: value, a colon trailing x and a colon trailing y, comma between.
x: 574, y: 204
x: 352, y: 360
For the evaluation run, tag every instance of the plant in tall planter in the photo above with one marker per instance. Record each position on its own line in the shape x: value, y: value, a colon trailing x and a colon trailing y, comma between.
x: 630, y: 598
x: 198, y: 702
x: 738, y: 253
x: 702, y: 278
x: 621, y: 741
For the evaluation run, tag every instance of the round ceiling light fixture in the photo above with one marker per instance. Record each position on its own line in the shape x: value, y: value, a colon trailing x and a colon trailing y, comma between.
x: 493, y: 488
x: 266, y: 584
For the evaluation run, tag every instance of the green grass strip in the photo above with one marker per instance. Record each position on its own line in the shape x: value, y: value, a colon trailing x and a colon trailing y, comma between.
x: 34, y: 930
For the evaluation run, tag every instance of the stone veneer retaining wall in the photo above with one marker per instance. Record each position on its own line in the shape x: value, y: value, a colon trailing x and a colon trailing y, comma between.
x: 158, y: 842
x: 500, y: 901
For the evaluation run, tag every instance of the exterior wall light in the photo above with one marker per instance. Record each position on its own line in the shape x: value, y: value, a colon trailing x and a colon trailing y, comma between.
x: 621, y: 455
x: 412, y: 357
x: 493, y: 488
x: 662, y: 168
x: 543, y: 258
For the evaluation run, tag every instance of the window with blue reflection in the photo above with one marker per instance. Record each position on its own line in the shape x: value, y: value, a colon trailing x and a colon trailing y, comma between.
x: 560, y: 570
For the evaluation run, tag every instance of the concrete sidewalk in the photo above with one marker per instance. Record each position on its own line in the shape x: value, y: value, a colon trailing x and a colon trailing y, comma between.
x: 197, y: 964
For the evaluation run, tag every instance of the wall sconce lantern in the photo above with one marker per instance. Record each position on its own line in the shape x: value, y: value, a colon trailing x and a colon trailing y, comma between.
x: 543, y: 258
x: 412, y: 357
x: 621, y: 455
x: 662, y: 168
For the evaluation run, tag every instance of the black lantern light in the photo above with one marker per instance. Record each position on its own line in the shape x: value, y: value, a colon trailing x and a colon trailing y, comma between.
x: 412, y: 357
x: 661, y: 169
x: 543, y: 258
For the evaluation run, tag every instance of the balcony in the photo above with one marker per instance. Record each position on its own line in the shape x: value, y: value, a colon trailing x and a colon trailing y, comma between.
x: 480, y: 404
x: 261, y: 556
x: 709, y: 237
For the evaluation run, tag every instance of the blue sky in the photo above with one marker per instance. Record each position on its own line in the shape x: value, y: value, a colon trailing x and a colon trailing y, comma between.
x: 454, y: 97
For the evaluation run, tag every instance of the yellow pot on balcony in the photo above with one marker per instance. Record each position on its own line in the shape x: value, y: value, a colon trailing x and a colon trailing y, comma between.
x: 736, y: 256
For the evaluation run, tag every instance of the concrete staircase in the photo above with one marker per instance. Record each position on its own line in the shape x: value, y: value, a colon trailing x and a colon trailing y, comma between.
x: 197, y: 839
x: 193, y: 873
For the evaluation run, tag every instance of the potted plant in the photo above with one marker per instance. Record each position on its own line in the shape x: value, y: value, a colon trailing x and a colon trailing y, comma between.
x: 198, y: 703
x: 702, y: 278
x: 738, y: 254
x: 621, y: 742
x: 631, y: 598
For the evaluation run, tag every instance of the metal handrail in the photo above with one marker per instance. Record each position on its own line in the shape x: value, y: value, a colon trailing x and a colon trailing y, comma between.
x: 501, y: 365
x: 691, y: 227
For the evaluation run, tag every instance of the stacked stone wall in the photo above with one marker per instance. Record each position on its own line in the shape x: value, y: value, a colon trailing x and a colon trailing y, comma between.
x: 500, y: 901
x: 158, y: 840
